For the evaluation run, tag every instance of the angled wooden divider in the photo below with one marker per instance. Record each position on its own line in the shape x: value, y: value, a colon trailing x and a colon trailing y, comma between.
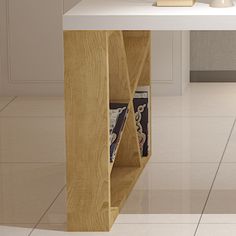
x: 119, y: 84
x: 145, y: 80
x: 118, y: 69
x: 137, y: 45
x: 100, y: 67
x: 128, y: 154
x: 146, y: 72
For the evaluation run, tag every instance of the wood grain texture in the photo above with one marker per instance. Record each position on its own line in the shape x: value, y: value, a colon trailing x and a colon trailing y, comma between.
x: 137, y: 44
x: 145, y: 160
x: 114, y: 213
x: 145, y: 80
x: 87, y: 133
x: 175, y: 3
x: 118, y: 69
x: 145, y: 77
x: 123, y: 180
x: 101, y: 66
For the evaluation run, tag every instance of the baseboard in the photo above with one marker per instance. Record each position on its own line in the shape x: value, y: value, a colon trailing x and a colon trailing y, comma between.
x: 213, y: 76
x: 165, y: 89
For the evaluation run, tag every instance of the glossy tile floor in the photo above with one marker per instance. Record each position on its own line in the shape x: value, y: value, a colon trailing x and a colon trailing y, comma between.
x: 187, y: 189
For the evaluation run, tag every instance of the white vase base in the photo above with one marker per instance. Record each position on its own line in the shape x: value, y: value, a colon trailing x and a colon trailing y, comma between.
x: 222, y: 3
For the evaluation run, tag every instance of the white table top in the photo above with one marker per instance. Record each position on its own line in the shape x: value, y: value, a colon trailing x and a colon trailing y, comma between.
x: 142, y: 15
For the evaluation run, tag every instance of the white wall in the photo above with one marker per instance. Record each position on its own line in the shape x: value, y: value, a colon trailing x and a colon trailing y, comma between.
x: 185, y: 56
x: 170, y: 62
x: 31, y: 55
x: 32, y: 46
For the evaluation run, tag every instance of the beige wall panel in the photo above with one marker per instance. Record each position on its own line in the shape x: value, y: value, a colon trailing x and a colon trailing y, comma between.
x: 35, y: 40
x: 213, y: 50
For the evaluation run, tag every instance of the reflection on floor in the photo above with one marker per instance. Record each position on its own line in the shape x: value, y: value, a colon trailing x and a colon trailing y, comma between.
x: 188, y: 187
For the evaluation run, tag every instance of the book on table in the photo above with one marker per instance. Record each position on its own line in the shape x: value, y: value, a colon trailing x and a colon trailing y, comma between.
x: 175, y: 3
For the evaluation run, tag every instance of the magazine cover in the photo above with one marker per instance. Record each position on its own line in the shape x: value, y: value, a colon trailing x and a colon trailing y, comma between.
x: 118, y: 113
x: 141, y: 110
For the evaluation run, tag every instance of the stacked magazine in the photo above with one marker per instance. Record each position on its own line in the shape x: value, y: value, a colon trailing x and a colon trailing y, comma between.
x: 141, y: 109
x: 118, y: 115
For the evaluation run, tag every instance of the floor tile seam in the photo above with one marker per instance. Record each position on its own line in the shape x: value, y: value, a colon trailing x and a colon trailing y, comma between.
x: 4, y: 107
x: 217, y: 171
x: 46, y: 211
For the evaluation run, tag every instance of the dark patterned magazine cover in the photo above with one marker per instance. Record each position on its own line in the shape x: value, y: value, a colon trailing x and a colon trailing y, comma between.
x: 141, y: 118
x: 118, y: 113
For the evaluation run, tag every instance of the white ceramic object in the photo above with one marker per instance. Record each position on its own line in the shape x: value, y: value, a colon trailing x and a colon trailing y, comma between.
x: 222, y: 3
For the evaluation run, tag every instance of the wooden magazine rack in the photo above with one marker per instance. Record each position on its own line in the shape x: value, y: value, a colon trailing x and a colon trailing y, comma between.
x: 100, y: 67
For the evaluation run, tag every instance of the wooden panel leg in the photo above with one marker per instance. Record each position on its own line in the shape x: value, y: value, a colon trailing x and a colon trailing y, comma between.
x: 87, y: 133
x: 145, y: 80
